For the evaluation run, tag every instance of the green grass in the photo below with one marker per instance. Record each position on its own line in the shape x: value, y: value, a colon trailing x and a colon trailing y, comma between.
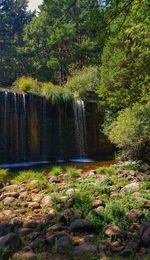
x: 56, y: 171
x: 73, y: 172
x: 106, y: 170
x: 25, y: 176
x: 3, y: 176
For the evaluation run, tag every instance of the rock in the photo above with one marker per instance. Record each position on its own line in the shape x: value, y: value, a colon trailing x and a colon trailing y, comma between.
x: 52, y: 238
x: 55, y: 179
x: 25, y: 231
x: 134, y: 214
x: 10, y: 201
x: 56, y: 227
x: 23, y: 195
x: 70, y: 192
x: 63, y: 245
x: 80, y: 225
x: 30, y: 224
x: 5, y: 229
x: 9, y: 243
x: 147, y: 204
x: 112, y: 230
x: 34, y: 205
x: 46, y: 201
x: 145, y: 233
x: 97, y: 202
x: 84, y: 250
x: 33, y: 184
x: 37, y: 198
x: 132, y: 187
x: 25, y: 255
x: 9, y: 188
x: 38, y: 243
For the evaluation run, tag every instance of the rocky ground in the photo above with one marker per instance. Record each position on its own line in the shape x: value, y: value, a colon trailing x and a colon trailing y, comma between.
x: 72, y: 214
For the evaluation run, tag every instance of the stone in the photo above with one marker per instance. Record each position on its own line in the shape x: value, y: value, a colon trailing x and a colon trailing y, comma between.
x: 56, y: 227
x: 132, y: 187
x: 145, y: 233
x: 33, y: 183
x: 84, y: 250
x: 37, y: 198
x: 52, y: 238
x: 134, y: 214
x: 25, y: 255
x: 80, y: 225
x: 9, y: 188
x: 54, y: 179
x: 25, y: 231
x: 70, y: 192
x: 38, y: 243
x: 46, y: 201
x: 147, y: 204
x: 63, y: 245
x: 34, y: 205
x: 10, y: 201
x: 5, y: 229
x: 30, y: 224
x: 97, y: 202
x: 10, y: 242
x: 112, y: 230
x: 23, y: 195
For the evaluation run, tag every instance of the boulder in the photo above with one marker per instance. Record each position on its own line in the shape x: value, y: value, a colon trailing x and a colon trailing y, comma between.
x: 46, y: 201
x: 84, y: 250
x: 5, y: 229
x: 63, y: 245
x: 25, y: 255
x: 134, y: 214
x: 9, y: 244
x: 9, y: 201
x: 145, y: 233
x: 132, y: 187
x: 80, y: 225
x: 112, y: 230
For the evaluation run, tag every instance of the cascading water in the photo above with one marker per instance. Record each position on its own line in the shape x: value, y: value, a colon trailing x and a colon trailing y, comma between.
x: 34, y: 130
x: 80, y: 128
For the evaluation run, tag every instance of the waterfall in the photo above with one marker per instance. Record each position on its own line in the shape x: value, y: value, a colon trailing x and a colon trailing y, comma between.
x: 80, y: 128
x: 34, y: 130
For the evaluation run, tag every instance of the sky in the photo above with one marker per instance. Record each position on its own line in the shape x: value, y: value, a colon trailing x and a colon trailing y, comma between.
x: 33, y: 4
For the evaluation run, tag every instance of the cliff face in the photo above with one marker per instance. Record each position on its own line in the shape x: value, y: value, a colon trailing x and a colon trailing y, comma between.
x: 32, y: 129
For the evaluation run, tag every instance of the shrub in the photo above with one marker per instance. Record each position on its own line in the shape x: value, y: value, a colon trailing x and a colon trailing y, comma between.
x: 27, y: 84
x: 3, y: 176
x: 130, y: 132
x: 86, y: 80
x: 105, y: 170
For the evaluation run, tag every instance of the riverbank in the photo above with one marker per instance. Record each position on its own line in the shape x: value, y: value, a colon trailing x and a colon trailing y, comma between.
x: 86, y: 212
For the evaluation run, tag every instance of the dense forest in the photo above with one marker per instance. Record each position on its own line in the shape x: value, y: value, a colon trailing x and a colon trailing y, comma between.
x: 84, y: 46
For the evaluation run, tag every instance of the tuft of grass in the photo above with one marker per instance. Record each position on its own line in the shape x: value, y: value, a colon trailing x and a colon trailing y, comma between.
x: 24, y: 176
x: 73, y: 172
x: 82, y: 203
x: 3, y: 176
x: 130, y: 166
x: 106, y: 170
x: 56, y: 171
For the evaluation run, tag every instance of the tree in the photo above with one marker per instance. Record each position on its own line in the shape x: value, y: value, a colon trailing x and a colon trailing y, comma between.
x: 125, y: 60
x: 13, y: 16
x: 63, y: 34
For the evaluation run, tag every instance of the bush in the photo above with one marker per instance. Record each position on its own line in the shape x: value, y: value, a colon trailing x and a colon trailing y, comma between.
x: 27, y: 84
x: 84, y: 81
x: 130, y: 132
x: 73, y: 172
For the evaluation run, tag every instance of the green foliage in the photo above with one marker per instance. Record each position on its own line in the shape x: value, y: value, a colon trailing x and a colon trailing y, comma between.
x: 82, y: 202
x: 125, y: 60
x: 27, y: 84
x: 106, y: 170
x: 27, y: 176
x: 3, y: 176
x: 55, y: 171
x: 72, y: 172
x: 13, y: 17
x: 84, y: 81
x: 130, y: 131
x: 56, y: 94
x: 131, y: 166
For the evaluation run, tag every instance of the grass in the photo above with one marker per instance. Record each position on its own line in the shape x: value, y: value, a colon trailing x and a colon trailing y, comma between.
x: 106, y: 170
x: 27, y: 176
x: 73, y: 172
x: 55, y: 171
x: 4, y: 175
